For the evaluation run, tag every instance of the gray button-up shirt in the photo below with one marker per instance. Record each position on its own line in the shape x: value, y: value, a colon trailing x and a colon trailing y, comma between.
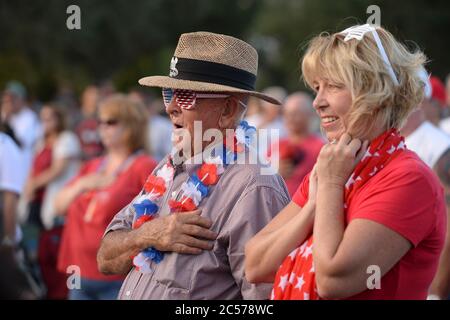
x: 240, y: 204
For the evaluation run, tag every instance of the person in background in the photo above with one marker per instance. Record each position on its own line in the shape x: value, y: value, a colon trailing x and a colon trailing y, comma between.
x: 57, y: 160
x: 298, y: 151
x: 6, y: 129
x: 440, y: 97
x: 12, y: 179
x: 103, y: 186
x: 159, y: 128
x: 253, y: 115
x: 23, y: 121
x: 271, y: 120
x: 447, y: 89
x: 434, y: 106
x: 66, y: 98
x: 271, y: 113
x: 446, y: 108
x: 86, y: 129
x: 422, y: 136
x: 13, y: 281
x: 432, y: 145
x: 106, y: 88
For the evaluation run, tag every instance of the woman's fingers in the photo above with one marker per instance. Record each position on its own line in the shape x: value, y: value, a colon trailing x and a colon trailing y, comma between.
x: 354, y: 146
x: 344, y: 139
x: 313, y: 176
x: 337, y: 161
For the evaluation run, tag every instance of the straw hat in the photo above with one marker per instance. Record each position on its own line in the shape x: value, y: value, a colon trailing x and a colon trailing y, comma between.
x: 211, y: 62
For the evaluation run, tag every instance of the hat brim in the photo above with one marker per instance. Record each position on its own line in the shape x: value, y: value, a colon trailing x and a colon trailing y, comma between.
x: 168, y: 82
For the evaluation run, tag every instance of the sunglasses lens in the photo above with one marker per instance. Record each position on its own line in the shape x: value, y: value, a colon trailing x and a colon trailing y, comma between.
x: 167, y: 96
x: 109, y: 123
x: 185, y: 98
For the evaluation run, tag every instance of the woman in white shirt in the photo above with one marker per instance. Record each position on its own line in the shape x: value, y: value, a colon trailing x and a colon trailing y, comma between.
x: 64, y: 163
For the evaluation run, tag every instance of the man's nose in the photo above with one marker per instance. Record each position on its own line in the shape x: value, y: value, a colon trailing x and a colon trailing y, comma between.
x: 173, y: 109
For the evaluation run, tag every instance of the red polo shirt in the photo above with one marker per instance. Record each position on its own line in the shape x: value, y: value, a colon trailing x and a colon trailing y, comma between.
x: 81, y: 239
x: 406, y: 196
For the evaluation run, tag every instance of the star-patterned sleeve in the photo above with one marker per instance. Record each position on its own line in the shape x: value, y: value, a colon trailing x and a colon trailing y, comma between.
x: 251, y: 213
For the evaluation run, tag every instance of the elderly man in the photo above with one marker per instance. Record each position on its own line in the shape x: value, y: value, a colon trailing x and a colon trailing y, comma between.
x: 198, y: 253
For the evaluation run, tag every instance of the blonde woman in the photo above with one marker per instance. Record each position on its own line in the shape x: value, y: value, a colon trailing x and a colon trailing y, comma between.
x: 369, y: 221
x: 101, y: 189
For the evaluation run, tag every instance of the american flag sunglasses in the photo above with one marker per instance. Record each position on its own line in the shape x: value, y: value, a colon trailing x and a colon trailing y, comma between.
x: 185, y: 99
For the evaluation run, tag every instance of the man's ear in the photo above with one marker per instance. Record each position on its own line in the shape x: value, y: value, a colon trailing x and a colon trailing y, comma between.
x: 229, y: 113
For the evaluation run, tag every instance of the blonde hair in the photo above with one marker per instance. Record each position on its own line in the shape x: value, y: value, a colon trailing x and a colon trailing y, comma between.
x: 132, y: 115
x: 359, y: 66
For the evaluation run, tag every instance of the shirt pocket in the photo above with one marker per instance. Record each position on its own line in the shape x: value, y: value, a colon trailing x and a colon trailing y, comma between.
x: 176, y: 271
x: 171, y: 293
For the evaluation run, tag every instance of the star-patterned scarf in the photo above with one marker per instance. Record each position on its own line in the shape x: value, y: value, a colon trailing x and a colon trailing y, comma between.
x: 295, y: 279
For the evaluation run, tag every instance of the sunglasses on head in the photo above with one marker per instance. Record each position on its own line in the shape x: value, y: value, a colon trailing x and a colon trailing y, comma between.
x: 185, y: 99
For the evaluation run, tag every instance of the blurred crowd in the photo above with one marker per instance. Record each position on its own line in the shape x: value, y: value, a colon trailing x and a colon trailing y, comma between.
x: 58, y: 158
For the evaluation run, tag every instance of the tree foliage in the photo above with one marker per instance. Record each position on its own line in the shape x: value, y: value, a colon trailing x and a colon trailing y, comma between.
x: 125, y: 40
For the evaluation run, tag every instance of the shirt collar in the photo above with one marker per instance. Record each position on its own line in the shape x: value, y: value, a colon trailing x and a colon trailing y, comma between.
x: 191, y: 164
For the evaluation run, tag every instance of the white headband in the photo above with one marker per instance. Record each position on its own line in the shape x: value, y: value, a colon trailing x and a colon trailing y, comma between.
x: 358, y: 32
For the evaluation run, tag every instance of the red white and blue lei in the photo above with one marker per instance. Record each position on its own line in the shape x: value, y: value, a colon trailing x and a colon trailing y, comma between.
x: 191, y: 192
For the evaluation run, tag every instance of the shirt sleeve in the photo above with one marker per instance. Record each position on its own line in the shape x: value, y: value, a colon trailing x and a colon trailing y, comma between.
x: 301, y: 195
x: 252, y: 212
x: 30, y: 130
x: 123, y: 220
x: 67, y: 146
x: 12, y: 176
x: 405, y: 202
